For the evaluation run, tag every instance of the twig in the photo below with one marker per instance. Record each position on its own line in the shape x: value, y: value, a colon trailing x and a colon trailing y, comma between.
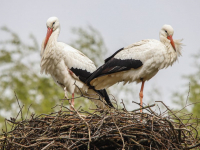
x: 19, y: 106
x: 48, y: 145
x: 137, y: 143
x: 123, y: 105
x: 143, y: 107
x: 102, y: 129
x: 119, y: 133
x: 27, y: 111
x: 187, y: 95
x: 193, y: 146
x: 89, y: 132
x: 171, y: 112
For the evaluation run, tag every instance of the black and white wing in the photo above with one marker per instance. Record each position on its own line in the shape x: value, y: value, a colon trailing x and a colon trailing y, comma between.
x: 83, y: 67
x: 122, y: 63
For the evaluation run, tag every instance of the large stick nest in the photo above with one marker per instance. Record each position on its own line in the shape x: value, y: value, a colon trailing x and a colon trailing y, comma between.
x: 102, y: 129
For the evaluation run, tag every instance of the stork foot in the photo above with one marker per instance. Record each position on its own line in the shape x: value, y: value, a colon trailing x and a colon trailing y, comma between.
x: 72, y: 104
x: 141, y: 98
x: 141, y: 95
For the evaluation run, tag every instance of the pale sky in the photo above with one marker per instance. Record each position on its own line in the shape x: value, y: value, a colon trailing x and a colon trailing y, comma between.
x: 120, y: 22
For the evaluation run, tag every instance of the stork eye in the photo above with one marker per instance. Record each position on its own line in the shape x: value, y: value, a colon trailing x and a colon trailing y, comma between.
x: 53, y: 23
x: 166, y: 31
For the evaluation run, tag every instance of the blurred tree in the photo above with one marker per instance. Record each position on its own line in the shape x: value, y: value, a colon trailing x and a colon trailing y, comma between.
x: 19, y: 65
x: 191, y: 94
x: 90, y: 42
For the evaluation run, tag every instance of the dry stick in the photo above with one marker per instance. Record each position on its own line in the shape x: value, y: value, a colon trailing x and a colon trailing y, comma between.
x: 6, y: 125
x: 164, y: 112
x: 106, y: 130
x: 188, y: 95
x: 193, y: 146
x: 159, y: 110
x: 197, y: 125
x: 19, y: 105
x: 172, y: 129
x: 114, y: 99
x: 137, y: 143
x: 27, y: 111
x: 171, y: 112
x: 89, y: 132
x: 69, y: 110
x: 16, y: 117
x: 187, y: 106
x: 119, y: 133
x: 50, y: 124
x: 115, y: 143
x: 76, y: 147
x: 61, y: 106
x: 100, y: 124
x: 74, y: 144
x: 123, y: 105
x: 143, y: 107
x: 48, y: 145
x: 153, y: 113
x: 24, y: 146
x: 152, y: 124
x: 195, y: 130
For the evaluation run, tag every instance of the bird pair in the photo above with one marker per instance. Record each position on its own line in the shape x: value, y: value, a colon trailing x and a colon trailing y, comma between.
x: 76, y: 73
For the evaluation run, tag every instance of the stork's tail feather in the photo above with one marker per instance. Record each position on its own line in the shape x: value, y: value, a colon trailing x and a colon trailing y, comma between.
x: 107, y: 99
x: 104, y: 94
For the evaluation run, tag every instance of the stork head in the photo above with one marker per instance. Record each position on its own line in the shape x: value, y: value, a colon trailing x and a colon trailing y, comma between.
x: 52, y: 25
x: 166, y: 33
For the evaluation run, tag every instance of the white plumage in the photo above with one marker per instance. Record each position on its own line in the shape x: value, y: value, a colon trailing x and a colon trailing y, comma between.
x: 67, y: 65
x: 138, y: 62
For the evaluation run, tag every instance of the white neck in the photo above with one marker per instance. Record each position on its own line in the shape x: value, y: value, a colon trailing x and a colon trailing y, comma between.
x: 52, y: 42
x: 54, y: 36
x: 167, y: 43
x: 49, y: 51
x: 163, y: 39
x: 171, y: 54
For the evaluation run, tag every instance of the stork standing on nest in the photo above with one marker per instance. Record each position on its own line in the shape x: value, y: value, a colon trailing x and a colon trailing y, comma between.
x: 138, y: 62
x: 69, y: 67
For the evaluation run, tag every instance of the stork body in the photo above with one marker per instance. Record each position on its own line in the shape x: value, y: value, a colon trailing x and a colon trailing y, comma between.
x: 68, y: 67
x: 138, y: 62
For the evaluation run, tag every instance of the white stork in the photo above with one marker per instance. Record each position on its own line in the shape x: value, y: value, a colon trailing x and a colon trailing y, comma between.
x: 69, y: 67
x: 138, y: 62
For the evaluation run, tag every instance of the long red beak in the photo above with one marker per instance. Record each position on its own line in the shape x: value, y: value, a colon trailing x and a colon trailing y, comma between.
x: 172, y: 41
x: 49, y: 32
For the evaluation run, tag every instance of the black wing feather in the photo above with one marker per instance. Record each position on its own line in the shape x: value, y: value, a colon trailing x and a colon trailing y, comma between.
x: 104, y: 94
x: 107, y: 59
x: 115, y: 65
x: 83, y: 75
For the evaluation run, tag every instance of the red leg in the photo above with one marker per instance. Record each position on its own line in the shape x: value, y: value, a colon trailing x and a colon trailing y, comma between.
x: 72, y: 102
x: 141, y: 95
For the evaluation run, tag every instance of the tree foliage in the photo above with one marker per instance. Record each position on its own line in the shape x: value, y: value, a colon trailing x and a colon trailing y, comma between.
x: 189, y: 99
x: 19, y: 66
x: 91, y: 43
